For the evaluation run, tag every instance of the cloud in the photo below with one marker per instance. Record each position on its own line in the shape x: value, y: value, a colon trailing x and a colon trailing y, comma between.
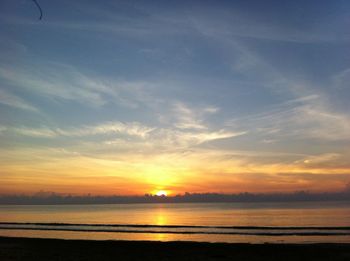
x: 188, y: 118
x: 139, y: 20
x: 131, y: 136
x: 132, y: 22
x: 237, y: 22
x: 341, y: 79
x: 307, y: 117
x: 172, y: 138
x: 64, y: 82
x: 322, y: 158
x: 320, y: 123
x: 50, y: 83
x: 306, y: 114
x: 35, y: 132
x: 210, y: 136
x: 16, y: 102
x: 129, y: 128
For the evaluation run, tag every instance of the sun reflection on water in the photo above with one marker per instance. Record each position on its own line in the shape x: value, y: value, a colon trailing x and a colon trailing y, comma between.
x: 160, y: 218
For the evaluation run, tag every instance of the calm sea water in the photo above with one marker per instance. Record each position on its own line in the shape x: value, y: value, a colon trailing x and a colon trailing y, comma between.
x: 290, y: 222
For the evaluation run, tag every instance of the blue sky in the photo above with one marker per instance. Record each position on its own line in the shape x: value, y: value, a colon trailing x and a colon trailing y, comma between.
x: 162, y: 94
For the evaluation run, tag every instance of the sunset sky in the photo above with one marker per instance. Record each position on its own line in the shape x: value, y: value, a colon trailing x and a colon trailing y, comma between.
x: 133, y: 97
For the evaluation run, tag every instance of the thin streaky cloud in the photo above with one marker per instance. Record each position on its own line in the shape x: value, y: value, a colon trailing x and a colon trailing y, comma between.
x: 14, y: 101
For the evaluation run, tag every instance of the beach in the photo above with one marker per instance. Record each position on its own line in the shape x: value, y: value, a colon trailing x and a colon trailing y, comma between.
x: 12, y: 248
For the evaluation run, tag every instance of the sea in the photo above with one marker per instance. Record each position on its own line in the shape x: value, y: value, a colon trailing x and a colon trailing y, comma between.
x: 283, y: 222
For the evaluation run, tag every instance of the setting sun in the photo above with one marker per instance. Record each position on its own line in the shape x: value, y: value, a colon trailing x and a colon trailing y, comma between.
x: 161, y: 193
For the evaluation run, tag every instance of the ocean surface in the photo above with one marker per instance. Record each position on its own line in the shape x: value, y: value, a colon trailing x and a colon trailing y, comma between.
x: 288, y: 222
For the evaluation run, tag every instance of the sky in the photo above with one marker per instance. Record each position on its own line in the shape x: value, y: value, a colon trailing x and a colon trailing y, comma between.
x: 133, y: 97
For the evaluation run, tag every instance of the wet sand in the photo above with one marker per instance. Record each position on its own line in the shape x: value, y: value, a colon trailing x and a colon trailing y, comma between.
x: 12, y: 248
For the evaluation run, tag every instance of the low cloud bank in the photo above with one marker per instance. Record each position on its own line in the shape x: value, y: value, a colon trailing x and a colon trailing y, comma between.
x: 54, y: 198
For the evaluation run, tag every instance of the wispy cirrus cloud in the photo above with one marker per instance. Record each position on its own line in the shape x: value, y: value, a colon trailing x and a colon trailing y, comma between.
x: 34, y: 132
x: 130, y: 128
x: 14, y: 101
x: 233, y: 21
x: 117, y: 133
x: 52, y: 84
x: 341, y: 79
x: 66, y: 83
x: 189, y: 118
x: 304, y: 118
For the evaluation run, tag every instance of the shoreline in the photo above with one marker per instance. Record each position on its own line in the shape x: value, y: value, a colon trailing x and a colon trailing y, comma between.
x: 20, y: 248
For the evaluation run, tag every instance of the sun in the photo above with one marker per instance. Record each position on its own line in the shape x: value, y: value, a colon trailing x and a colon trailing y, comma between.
x: 160, y: 193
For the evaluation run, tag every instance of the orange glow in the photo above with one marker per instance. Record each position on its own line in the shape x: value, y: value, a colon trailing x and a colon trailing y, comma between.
x: 161, y: 193
x: 31, y: 171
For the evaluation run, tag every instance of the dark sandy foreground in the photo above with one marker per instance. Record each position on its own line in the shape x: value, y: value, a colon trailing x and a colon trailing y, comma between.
x: 56, y: 249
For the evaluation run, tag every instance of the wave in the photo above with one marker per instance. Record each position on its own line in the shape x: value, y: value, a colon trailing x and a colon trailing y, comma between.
x: 189, y: 232
x: 181, y: 229
x: 176, y: 226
